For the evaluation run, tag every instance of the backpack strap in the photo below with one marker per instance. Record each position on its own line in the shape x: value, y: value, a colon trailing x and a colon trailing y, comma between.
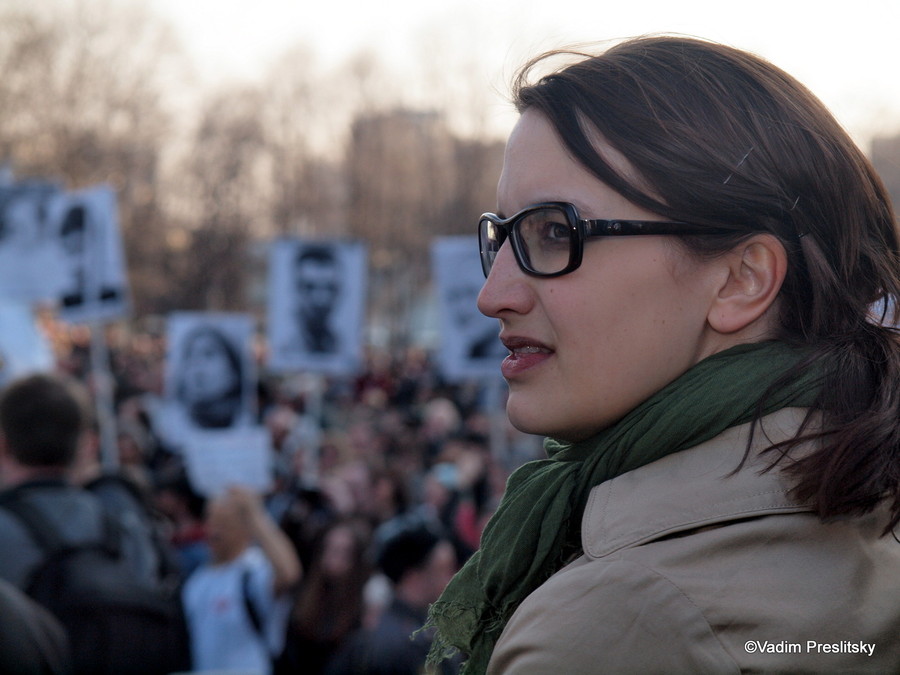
x: 168, y: 569
x: 38, y: 525
x: 249, y: 605
x: 121, y: 480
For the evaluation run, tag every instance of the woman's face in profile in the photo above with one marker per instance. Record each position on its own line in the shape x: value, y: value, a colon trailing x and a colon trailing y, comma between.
x: 207, y: 371
x: 589, y: 346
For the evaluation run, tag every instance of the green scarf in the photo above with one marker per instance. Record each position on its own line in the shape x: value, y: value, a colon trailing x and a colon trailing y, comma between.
x: 536, y: 528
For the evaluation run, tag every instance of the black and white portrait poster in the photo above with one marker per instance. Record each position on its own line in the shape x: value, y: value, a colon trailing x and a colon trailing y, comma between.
x: 210, y: 374
x: 469, y: 342
x: 94, y: 287
x: 316, y: 306
x: 31, y: 258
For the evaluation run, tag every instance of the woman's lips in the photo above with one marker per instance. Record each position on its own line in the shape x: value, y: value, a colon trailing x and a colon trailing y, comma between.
x: 524, y: 355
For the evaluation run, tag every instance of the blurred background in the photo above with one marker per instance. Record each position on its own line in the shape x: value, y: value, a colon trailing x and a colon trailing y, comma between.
x: 223, y: 124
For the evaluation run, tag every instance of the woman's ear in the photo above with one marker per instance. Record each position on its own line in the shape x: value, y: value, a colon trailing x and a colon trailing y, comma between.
x: 755, y: 270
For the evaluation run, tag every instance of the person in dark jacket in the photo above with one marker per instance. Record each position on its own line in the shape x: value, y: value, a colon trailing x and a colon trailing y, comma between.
x: 43, y: 419
x: 418, y: 560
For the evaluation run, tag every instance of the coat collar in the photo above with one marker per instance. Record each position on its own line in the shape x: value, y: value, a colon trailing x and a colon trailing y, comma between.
x: 694, y: 488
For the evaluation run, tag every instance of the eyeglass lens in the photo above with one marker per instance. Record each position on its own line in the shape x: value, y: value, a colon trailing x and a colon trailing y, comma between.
x: 542, y: 238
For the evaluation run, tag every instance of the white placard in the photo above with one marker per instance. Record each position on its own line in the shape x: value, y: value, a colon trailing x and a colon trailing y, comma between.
x: 31, y: 257
x: 316, y: 306
x: 215, y: 460
x: 95, y: 286
x: 210, y: 374
x: 469, y: 342
x: 23, y: 347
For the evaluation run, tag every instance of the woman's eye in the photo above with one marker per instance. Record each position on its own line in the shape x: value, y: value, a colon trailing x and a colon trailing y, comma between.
x: 554, y: 233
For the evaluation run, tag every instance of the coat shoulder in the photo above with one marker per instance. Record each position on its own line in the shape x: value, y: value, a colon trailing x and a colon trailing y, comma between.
x: 616, y: 616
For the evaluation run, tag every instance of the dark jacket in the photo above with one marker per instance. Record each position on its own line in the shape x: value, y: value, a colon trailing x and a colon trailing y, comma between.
x: 78, y: 517
x: 33, y: 641
x: 389, y: 648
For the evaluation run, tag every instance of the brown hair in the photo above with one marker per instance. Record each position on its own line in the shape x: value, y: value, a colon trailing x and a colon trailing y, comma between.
x: 42, y: 417
x: 326, y: 609
x: 719, y: 136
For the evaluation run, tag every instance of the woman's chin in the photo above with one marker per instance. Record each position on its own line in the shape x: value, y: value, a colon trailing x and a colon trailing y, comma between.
x: 529, y: 419
x: 540, y: 418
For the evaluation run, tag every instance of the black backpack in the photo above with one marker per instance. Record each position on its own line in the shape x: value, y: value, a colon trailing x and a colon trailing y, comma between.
x: 117, y: 623
x: 117, y: 492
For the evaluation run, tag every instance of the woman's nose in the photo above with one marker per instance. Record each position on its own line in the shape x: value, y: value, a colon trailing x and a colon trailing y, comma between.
x: 507, y: 288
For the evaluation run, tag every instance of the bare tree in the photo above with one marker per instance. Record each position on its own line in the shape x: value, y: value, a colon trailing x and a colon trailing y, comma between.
x: 299, y: 110
x: 81, y: 102
x: 83, y: 99
x: 399, y: 167
x: 223, y: 200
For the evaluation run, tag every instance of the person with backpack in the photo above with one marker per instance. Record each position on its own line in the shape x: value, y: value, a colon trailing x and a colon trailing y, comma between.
x: 237, y: 605
x: 66, y: 551
x: 121, y: 494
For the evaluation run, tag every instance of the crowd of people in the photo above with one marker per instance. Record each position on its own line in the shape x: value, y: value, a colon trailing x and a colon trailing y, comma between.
x: 380, y: 491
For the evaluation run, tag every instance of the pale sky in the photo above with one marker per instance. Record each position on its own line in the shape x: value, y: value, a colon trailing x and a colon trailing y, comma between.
x: 848, y: 53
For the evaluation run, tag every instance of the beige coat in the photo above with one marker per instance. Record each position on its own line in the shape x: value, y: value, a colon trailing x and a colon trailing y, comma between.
x: 688, y: 569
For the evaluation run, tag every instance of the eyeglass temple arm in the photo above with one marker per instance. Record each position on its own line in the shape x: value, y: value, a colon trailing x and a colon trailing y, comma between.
x: 613, y: 228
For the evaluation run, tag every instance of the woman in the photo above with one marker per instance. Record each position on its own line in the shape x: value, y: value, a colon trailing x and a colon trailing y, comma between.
x: 211, y: 381
x: 722, y: 394
x: 329, y: 605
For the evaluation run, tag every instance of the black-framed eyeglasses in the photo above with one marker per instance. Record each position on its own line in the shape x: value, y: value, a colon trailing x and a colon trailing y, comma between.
x: 548, y: 238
